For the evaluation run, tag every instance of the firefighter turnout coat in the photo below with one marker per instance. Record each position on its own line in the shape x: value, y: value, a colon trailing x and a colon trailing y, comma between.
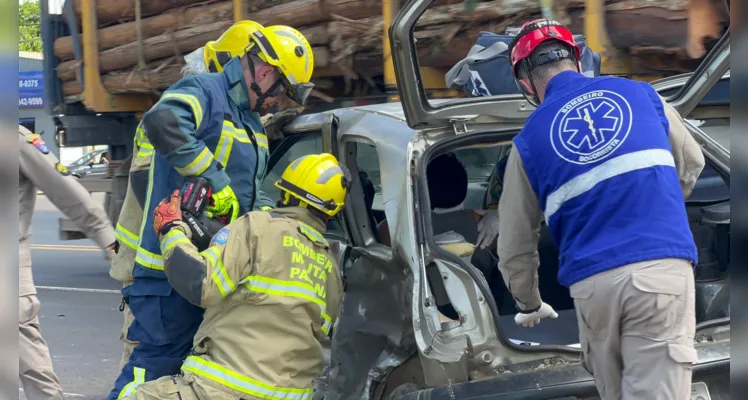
x: 271, y: 290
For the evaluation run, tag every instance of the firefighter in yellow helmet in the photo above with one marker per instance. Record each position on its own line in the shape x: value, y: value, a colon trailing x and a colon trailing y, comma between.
x: 288, y: 50
x: 233, y: 43
x: 209, y: 58
x: 208, y: 125
x: 270, y: 287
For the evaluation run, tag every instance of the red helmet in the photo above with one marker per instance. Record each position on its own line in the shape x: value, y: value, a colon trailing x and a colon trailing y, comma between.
x: 531, y: 35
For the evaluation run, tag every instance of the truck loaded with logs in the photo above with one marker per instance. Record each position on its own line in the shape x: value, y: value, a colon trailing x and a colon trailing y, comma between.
x: 107, y: 61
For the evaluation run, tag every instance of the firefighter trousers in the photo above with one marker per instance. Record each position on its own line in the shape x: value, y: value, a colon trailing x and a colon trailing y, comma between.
x: 185, y: 387
x: 636, y: 329
x: 128, y: 345
x: 164, y: 325
x: 38, y: 379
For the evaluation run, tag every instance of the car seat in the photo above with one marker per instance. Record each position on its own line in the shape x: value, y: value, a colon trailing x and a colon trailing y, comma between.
x: 448, y: 186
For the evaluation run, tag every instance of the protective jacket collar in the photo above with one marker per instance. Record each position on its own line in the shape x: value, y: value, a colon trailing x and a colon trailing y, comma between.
x: 560, y: 84
x: 303, y: 215
x: 238, y: 91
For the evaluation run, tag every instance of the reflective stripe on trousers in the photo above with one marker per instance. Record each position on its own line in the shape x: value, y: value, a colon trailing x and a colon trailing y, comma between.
x: 129, y: 389
x: 299, y: 290
x: 236, y: 381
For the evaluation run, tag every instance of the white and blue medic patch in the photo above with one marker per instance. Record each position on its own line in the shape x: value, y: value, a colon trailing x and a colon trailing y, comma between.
x: 591, y: 127
x: 220, y: 238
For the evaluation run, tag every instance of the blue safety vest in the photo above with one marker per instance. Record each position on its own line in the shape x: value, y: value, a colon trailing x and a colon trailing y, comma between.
x: 597, y: 155
x: 236, y: 143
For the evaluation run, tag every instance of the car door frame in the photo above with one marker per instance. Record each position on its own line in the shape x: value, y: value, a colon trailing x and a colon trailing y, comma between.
x: 713, y: 69
x: 324, y: 124
x: 419, y: 112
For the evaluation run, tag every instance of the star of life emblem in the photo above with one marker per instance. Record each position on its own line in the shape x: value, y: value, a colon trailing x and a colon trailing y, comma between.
x: 591, y: 127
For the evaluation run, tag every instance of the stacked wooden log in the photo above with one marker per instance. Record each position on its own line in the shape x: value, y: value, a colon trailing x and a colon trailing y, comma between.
x: 144, y: 53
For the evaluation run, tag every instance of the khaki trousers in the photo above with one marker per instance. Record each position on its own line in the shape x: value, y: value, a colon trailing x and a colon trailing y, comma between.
x: 164, y: 388
x: 34, y: 362
x: 129, y: 345
x: 636, y: 329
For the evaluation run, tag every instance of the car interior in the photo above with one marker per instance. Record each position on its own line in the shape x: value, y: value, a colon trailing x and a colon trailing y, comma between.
x: 708, y: 211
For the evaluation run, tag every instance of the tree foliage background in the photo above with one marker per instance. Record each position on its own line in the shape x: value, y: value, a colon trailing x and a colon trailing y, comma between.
x: 29, y: 26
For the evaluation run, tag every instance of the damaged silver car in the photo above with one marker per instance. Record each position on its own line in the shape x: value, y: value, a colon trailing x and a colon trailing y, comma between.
x: 420, y: 319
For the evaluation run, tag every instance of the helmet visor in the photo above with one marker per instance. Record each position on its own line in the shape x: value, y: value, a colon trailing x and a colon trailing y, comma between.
x: 299, y: 92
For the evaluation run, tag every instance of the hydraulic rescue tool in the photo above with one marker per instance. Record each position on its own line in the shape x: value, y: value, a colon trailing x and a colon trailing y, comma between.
x: 196, y: 195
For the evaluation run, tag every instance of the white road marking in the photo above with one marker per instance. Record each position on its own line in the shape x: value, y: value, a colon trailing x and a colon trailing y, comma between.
x: 85, y: 290
x: 64, y: 247
x: 64, y: 394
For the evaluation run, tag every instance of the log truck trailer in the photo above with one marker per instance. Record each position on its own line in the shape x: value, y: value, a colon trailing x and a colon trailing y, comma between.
x: 623, y: 31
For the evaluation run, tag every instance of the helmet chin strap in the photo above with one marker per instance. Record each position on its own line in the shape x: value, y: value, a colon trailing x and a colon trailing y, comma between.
x: 534, y: 99
x: 261, y: 96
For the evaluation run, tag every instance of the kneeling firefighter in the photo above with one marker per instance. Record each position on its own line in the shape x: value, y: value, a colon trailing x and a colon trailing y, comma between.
x: 209, y: 126
x: 270, y: 287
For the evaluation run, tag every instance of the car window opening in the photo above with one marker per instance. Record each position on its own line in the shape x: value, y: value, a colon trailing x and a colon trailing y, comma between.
x: 458, y: 180
x: 369, y: 174
x: 302, y: 145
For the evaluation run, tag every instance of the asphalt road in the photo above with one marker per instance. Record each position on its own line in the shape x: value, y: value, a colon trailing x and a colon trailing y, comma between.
x: 79, y: 316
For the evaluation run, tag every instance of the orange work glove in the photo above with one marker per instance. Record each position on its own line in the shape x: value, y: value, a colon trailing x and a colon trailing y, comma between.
x: 167, y: 212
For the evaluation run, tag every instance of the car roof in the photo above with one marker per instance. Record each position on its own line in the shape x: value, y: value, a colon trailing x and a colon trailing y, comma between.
x: 392, y: 109
x: 381, y: 124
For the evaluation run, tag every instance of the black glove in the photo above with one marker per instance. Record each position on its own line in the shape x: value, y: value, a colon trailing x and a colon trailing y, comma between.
x: 274, y: 123
x: 203, y: 229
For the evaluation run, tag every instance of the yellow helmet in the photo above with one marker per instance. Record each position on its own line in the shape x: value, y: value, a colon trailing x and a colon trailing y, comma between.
x: 288, y: 50
x: 233, y: 43
x: 317, y: 180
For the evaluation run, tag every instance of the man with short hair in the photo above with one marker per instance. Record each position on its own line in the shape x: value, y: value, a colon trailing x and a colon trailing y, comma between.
x: 607, y: 163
